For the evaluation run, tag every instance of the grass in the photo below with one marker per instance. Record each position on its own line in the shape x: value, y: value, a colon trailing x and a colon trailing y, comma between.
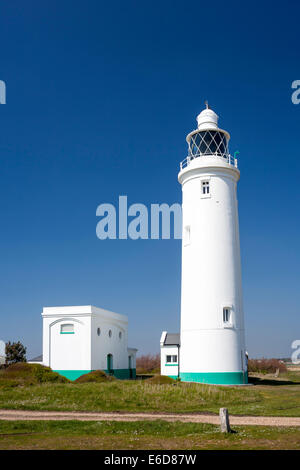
x: 269, y: 397
x: 141, y: 435
x: 21, y: 374
x: 134, y: 396
x: 160, y: 380
x: 35, y: 389
x: 97, y: 376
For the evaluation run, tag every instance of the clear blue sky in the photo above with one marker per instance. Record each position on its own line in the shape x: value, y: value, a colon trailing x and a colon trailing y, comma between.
x: 100, y: 97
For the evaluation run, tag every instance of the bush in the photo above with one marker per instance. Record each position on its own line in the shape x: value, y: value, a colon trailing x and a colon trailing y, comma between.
x: 266, y: 366
x: 148, y: 364
x: 15, y: 352
x: 94, y: 376
x: 23, y: 373
x: 161, y: 380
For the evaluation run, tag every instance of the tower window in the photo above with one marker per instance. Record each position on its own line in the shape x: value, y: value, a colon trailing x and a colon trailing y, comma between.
x: 205, y: 187
x: 187, y: 235
x: 226, y: 315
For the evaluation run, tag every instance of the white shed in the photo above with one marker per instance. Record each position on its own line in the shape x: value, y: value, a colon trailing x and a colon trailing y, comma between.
x: 80, y: 339
x: 169, y: 354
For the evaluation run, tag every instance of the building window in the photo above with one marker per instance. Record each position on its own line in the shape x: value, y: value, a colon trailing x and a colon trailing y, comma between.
x: 120, y: 335
x: 171, y: 359
x: 110, y: 333
x: 67, y: 328
x: 226, y: 315
x: 98, y: 331
x: 205, y: 187
x: 187, y: 235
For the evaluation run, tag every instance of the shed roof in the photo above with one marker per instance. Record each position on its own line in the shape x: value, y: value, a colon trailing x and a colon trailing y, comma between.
x: 172, y: 339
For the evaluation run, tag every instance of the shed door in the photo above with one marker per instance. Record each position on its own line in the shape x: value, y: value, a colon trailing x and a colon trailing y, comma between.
x: 109, y: 362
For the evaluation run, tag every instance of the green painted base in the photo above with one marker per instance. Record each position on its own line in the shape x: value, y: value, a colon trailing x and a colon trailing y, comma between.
x: 121, y: 374
x: 215, y: 378
x: 72, y: 374
x: 173, y: 376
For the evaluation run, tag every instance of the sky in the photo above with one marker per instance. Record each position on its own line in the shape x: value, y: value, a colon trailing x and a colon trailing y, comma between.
x: 99, y: 99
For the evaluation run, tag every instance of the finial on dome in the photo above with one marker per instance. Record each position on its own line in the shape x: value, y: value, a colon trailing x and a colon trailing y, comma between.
x: 206, y: 104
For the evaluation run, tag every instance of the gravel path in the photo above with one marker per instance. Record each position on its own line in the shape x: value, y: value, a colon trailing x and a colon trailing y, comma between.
x: 185, y: 418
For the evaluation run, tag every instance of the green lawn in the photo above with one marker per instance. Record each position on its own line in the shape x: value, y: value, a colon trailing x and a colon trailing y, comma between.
x: 141, y: 435
x: 269, y: 397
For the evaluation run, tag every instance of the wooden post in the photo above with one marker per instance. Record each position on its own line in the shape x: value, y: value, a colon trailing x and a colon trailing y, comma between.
x: 224, y: 419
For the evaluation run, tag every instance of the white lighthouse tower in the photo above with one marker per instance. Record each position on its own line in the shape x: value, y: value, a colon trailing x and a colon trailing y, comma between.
x: 212, y: 345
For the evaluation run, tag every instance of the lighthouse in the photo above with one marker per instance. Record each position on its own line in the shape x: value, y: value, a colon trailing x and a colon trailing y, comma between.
x: 211, y: 346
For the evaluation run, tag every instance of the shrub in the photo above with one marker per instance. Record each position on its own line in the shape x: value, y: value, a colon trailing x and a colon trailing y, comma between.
x: 266, y: 366
x: 148, y: 364
x: 22, y: 373
x: 161, y: 380
x: 94, y: 376
x: 15, y: 352
x: 46, y: 374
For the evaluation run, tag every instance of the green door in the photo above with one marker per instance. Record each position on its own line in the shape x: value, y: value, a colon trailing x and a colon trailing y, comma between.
x: 130, y: 367
x: 109, y: 363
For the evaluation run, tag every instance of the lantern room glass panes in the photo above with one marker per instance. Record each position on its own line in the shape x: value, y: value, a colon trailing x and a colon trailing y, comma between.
x: 208, y: 143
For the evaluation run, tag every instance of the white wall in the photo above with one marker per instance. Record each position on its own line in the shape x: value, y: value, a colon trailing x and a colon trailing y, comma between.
x: 104, y: 344
x: 132, y: 353
x: 67, y: 351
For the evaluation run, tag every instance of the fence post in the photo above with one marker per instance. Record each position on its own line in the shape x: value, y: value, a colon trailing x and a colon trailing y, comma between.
x: 224, y: 420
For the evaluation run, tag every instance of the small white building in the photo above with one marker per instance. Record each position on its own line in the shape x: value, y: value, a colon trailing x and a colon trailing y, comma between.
x: 169, y: 354
x: 80, y: 339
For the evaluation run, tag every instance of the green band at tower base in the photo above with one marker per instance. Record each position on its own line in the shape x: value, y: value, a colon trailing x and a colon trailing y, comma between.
x: 216, y: 378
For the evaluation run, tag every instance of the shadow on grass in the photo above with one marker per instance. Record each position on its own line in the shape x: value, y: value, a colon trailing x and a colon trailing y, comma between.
x: 269, y: 381
x: 144, y: 376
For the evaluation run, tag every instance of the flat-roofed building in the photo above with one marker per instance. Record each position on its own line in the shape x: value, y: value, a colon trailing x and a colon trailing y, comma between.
x: 80, y: 339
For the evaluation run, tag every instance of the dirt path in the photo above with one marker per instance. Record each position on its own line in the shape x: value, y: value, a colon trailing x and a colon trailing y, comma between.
x: 185, y: 418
